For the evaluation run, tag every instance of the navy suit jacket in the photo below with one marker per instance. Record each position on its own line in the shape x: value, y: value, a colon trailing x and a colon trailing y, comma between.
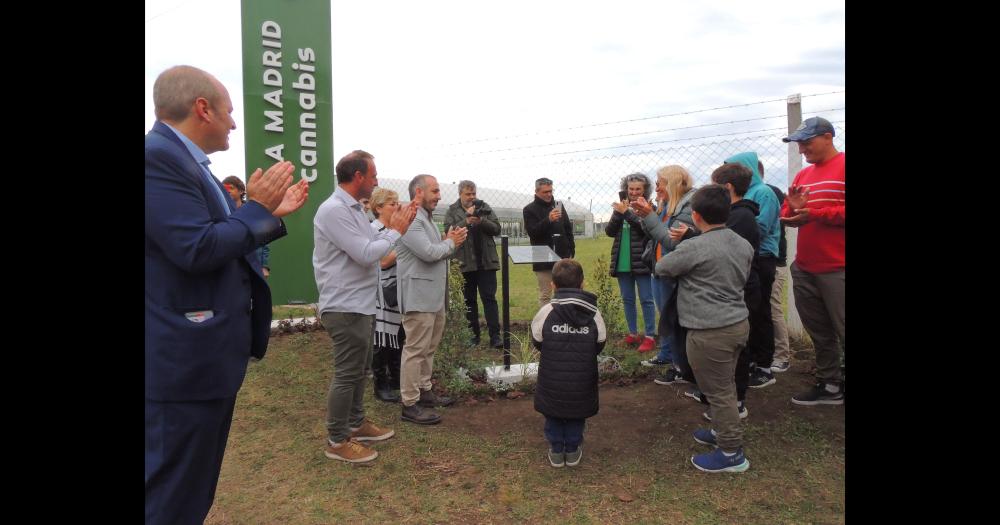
x: 200, y: 258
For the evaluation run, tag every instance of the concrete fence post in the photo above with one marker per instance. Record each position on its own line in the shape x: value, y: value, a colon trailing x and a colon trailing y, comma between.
x: 794, y: 112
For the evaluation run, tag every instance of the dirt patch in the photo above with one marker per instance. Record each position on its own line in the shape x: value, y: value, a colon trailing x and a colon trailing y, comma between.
x: 630, y: 415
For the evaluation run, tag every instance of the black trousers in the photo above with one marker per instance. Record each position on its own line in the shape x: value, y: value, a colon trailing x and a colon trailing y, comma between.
x: 670, y: 326
x: 751, y: 297
x: 761, y: 343
x: 486, y: 282
x: 385, y: 364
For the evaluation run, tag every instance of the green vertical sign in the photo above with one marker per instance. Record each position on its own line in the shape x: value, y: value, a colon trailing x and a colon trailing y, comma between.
x: 288, y: 116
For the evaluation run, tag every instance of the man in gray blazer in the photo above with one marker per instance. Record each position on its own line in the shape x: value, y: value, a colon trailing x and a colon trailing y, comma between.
x: 422, y: 279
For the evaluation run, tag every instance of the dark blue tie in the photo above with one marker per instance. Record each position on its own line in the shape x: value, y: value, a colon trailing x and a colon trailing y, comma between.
x: 223, y: 199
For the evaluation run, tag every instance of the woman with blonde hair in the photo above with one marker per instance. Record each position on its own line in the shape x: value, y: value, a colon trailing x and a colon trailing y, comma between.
x: 670, y: 224
x: 388, y: 333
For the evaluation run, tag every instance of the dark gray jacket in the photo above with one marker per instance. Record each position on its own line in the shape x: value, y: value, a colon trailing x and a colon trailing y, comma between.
x: 659, y: 230
x: 481, y: 236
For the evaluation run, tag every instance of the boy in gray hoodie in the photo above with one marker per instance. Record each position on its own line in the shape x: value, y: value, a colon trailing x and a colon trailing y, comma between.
x: 712, y: 271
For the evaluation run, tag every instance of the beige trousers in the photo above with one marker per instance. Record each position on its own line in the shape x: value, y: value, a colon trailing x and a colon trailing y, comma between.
x: 544, y: 287
x: 423, y: 333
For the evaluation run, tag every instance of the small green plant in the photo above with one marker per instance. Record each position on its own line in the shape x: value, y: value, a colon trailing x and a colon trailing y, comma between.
x: 608, y: 366
x: 453, y: 351
x: 526, y: 354
x: 309, y: 322
x: 459, y: 384
x: 609, y: 301
x: 501, y: 387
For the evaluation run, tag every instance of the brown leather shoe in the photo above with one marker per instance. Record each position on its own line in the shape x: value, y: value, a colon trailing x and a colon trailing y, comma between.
x: 369, y: 431
x: 429, y: 399
x: 419, y: 415
x: 350, y: 451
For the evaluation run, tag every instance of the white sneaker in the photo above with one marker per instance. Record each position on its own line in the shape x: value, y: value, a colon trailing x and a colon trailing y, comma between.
x: 743, y: 411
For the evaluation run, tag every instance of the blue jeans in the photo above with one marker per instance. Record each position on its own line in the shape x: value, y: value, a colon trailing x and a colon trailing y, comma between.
x: 564, y: 435
x: 627, y: 284
x: 663, y: 289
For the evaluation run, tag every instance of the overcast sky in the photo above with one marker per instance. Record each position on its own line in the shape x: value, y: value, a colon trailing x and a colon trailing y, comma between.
x: 412, y: 79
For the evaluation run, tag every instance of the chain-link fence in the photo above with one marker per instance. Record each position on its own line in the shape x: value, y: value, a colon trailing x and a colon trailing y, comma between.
x: 587, y: 181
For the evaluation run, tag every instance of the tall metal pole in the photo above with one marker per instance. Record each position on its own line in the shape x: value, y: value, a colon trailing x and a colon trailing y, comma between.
x: 505, y: 265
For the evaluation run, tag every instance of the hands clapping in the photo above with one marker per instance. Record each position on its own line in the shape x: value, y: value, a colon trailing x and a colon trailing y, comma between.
x: 403, y: 217
x: 797, y: 198
x: 457, y: 235
x: 641, y: 207
x: 274, y: 190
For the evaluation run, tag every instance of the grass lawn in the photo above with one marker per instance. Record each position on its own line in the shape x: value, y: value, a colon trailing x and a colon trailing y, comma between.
x: 485, y: 463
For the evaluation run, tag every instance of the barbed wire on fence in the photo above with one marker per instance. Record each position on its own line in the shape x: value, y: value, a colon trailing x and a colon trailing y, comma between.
x: 640, y: 119
x: 587, y: 180
x: 634, y: 134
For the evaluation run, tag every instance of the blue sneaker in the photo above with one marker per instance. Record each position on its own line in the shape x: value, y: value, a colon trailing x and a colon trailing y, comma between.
x: 705, y: 436
x: 717, y: 461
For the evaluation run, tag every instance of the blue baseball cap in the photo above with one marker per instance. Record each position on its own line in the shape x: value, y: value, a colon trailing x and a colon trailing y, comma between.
x: 810, y: 128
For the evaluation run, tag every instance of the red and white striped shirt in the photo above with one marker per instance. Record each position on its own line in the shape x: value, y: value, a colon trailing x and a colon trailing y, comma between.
x: 820, y: 247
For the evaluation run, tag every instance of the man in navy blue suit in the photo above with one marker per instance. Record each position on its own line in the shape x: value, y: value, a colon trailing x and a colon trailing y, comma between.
x: 208, y: 307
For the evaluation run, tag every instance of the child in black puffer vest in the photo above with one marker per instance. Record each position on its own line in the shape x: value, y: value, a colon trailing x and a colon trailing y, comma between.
x: 569, y: 332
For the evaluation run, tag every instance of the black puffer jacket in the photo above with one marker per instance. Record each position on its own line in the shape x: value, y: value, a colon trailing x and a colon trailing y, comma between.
x: 637, y: 241
x: 569, y: 332
x: 743, y: 220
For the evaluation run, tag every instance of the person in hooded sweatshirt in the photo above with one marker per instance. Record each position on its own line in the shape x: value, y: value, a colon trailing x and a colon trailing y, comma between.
x: 568, y: 332
x: 761, y: 345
